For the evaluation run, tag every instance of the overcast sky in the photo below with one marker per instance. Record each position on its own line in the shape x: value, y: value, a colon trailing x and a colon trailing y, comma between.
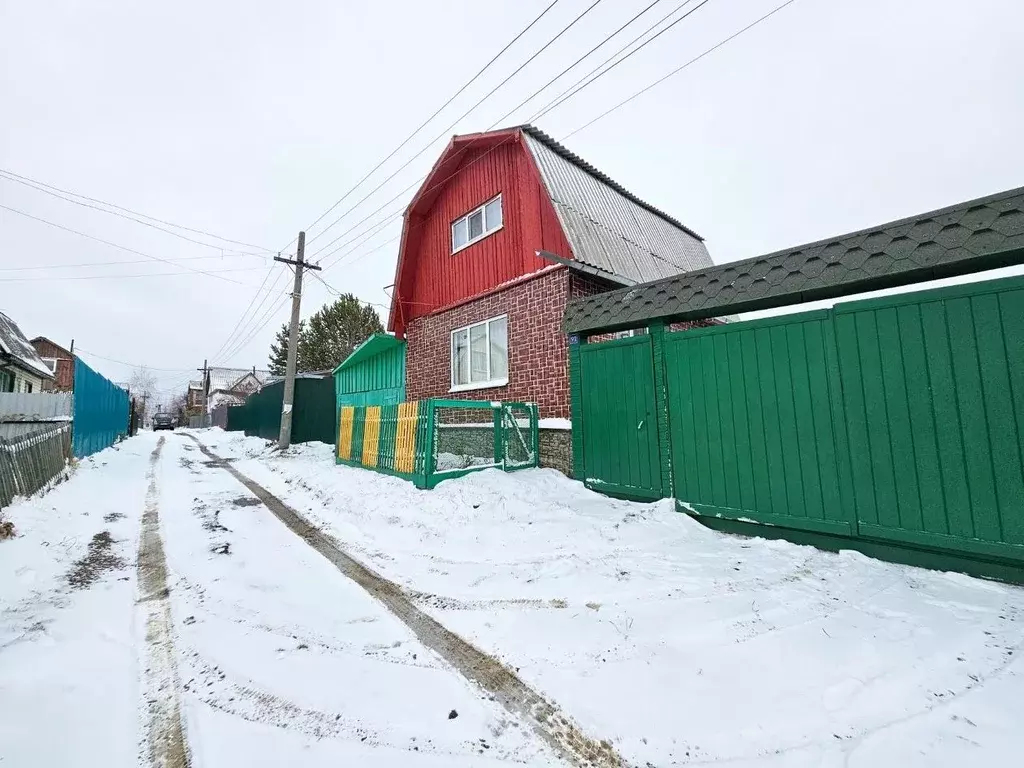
x: 248, y: 119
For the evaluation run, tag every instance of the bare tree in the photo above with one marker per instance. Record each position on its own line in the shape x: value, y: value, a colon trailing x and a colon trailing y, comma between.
x: 142, y: 385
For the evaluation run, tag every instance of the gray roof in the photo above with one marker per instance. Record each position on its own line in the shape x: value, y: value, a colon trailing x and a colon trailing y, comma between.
x: 609, y: 228
x: 14, y: 344
x: 969, y: 237
x: 224, y: 379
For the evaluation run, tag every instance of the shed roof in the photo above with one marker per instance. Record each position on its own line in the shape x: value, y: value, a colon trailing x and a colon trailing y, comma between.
x: 968, y: 237
x: 225, y: 379
x: 373, y: 346
x: 14, y: 344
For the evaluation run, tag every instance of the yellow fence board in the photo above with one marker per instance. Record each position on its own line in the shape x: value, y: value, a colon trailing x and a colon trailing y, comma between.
x: 405, y: 437
x: 346, y: 420
x: 371, y: 436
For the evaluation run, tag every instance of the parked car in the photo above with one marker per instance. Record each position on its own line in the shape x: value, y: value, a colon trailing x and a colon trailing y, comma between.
x: 164, y: 421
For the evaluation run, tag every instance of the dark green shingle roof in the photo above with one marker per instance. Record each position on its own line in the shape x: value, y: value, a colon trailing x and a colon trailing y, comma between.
x: 969, y: 237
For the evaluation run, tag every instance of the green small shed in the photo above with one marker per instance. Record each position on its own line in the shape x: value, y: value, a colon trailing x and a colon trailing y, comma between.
x: 374, y: 374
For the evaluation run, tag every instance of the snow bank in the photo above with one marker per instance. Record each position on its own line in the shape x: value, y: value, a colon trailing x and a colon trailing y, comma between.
x: 678, y: 643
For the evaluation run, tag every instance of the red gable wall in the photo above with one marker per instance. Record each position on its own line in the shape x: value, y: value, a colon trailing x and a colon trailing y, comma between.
x: 432, y: 277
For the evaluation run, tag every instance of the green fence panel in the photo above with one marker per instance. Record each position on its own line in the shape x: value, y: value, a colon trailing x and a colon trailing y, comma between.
x: 895, y: 422
x: 619, y: 418
x: 750, y: 422
x: 931, y: 387
x: 313, y: 412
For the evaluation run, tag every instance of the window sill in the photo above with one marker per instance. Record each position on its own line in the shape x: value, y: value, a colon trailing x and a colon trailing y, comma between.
x: 479, y: 385
x: 484, y: 236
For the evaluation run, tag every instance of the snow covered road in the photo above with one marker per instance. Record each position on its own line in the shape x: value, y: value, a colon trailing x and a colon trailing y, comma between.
x: 280, y: 659
x: 676, y: 644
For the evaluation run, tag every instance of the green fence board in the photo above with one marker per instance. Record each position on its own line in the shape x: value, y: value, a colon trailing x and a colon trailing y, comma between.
x: 620, y: 439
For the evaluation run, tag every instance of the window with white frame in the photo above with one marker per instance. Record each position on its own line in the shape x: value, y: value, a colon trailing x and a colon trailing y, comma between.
x: 50, y: 362
x: 477, y: 224
x: 480, y: 355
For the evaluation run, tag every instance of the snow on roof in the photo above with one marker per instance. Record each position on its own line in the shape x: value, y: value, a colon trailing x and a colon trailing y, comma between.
x: 14, y: 343
x: 195, y: 385
x: 224, y: 379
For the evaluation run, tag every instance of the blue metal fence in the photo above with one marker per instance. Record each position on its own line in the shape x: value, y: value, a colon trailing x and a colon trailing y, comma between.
x: 101, y: 411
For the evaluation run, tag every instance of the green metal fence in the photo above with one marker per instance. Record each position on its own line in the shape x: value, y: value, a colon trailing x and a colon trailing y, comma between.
x: 896, y: 423
x: 312, y: 413
x: 428, y: 441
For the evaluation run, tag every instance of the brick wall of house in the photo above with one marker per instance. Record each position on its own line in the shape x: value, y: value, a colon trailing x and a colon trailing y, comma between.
x: 537, y: 353
x: 64, y: 376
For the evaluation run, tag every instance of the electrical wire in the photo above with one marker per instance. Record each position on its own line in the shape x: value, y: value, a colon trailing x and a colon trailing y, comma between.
x: 465, y: 114
x: 36, y: 184
x: 131, y: 365
x: 114, y: 245
x: 81, y: 265
x: 245, y: 313
x: 422, y: 125
x: 679, y: 69
x: 119, y: 277
x: 575, y: 63
x: 551, y: 104
x: 628, y: 55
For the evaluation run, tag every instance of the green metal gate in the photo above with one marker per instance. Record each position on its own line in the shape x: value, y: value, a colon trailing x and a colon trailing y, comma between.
x: 752, y: 434
x: 620, y: 441
x: 891, y: 421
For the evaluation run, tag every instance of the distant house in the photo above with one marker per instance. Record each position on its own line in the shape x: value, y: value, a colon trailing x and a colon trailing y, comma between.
x: 21, y: 369
x: 506, y: 229
x: 230, y: 386
x: 60, y: 362
x: 194, y: 396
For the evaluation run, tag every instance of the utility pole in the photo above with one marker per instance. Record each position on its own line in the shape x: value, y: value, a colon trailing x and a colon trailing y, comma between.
x: 206, y: 394
x: 298, y: 262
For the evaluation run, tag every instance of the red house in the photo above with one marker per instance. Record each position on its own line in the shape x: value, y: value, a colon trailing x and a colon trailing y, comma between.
x: 506, y: 229
x: 60, y: 362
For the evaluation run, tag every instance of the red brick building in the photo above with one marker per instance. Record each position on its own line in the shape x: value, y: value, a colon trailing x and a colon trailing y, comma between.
x: 507, y: 227
x: 59, y: 360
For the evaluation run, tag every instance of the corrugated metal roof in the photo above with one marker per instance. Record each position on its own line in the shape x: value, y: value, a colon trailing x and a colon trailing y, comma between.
x: 608, y: 227
x: 14, y: 343
x: 374, y: 345
x: 975, y: 235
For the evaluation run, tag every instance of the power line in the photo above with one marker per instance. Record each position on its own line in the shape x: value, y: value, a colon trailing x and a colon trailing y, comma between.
x: 575, y: 63
x: 81, y: 265
x: 118, y: 277
x: 679, y: 69
x: 43, y: 187
x: 631, y: 53
x: 241, y: 328
x: 245, y: 313
x: 132, y: 365
x: 444, y: 133
x: 113, y: 245
x: 552, y: 103
x: 238, y: 347
x: 438, y: 111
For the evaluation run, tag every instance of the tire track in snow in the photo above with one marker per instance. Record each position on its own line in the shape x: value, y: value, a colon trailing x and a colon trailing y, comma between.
x: 554, y: 727
x: 165, y: 743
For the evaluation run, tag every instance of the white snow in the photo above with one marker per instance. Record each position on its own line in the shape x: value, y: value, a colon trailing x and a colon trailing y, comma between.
x: 554, y: 423
x: 677, y: 643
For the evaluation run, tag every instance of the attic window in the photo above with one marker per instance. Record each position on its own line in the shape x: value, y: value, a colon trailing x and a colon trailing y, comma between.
x: 477, y: 224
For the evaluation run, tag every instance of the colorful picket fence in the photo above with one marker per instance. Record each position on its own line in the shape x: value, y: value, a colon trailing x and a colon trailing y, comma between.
x: 427, y: 441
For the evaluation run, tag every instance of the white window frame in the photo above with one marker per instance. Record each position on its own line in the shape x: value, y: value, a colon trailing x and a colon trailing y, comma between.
x: 481, y: 209
x: 490, y: 383
x: 53, y: 360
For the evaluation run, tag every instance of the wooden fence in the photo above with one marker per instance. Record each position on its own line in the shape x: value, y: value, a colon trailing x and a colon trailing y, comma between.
x: 30, y: 461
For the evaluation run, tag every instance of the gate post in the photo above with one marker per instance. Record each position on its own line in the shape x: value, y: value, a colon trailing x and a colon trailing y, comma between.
x: 576, y: 403
x: 657, y: 334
